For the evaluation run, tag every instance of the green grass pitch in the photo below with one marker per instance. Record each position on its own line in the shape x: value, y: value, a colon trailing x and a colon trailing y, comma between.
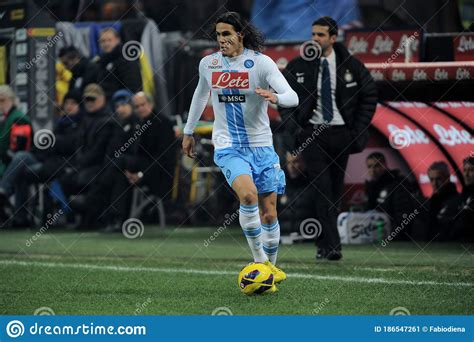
x: 174, y: 272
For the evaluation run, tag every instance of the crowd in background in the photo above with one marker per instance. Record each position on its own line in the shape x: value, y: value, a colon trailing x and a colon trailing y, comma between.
x: 107, y: 140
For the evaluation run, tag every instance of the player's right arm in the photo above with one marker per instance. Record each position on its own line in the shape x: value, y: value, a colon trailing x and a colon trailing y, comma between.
x: 198, y: 103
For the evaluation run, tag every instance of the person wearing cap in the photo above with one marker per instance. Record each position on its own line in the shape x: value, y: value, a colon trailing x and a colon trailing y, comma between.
x: 93, y: 137
x: 119, y: 152
x: 40, y: 165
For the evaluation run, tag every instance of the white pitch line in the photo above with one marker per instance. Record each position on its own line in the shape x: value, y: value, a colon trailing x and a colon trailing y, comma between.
x: 215, y: 272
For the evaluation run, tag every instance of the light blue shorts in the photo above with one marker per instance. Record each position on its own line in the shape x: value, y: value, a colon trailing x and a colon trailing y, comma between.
x: 260, y: 163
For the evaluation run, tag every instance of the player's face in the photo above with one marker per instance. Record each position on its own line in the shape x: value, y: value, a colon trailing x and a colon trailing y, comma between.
x: 468, y: 171
x: 230, y: 42
x: 321, y: 36
x: 375, y: 168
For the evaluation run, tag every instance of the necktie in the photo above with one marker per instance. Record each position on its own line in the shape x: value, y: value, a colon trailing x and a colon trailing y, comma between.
x: 326, y: 97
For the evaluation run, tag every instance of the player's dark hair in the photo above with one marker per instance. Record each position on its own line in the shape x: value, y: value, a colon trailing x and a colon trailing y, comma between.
x: 253, y: 38
x: 377, y: 156
x: 329, y: 22
x: 69, y: 52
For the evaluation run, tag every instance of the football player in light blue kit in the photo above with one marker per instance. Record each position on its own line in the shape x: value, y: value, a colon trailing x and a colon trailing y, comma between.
x: 239, y: 78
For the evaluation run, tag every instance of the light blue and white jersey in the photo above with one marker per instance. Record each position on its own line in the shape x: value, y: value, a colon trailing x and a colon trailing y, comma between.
x: 241, y: 118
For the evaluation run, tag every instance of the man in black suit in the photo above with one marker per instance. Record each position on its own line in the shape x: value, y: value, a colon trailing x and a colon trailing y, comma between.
x: 337, y: 100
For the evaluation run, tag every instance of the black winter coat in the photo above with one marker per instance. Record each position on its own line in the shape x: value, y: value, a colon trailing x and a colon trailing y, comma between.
x: 356, y: 95
x: 116, y: 72
x: 93, y: 137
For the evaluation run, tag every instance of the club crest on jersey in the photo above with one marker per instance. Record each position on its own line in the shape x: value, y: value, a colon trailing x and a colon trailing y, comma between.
x: 248, y: 63
x: 230, y: 80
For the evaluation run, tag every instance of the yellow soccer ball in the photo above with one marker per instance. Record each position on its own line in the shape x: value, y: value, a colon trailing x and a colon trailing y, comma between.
x: 255, y: 278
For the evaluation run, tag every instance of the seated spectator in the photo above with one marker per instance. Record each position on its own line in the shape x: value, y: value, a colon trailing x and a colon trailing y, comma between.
x: 389, y: 192
x: 465, y: 220
x: 116, y: 70
x: 41, y: 165
x: 97, y: 203
x: 84, y: 71
x: 94, y: 134
x: 151, y: 164
x: 15, y: 128
x: 443, y: 206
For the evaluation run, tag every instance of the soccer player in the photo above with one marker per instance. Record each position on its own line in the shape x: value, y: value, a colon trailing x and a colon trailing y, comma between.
x: 239, y: 78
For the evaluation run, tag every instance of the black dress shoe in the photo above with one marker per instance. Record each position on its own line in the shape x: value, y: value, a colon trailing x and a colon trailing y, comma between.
x: 334, y: 255
x: 321, y: 254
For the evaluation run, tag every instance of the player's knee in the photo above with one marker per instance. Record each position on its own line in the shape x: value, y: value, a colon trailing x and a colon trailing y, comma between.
x: 249, y: 197
x: 269, y: 217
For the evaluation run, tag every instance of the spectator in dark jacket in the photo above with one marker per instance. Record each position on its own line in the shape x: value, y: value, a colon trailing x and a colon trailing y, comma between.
x: 152, y: 162
x: 389, y: 192
x: 93, y: 136
x: 337, y: 100
x: 99, y: 203
x: 119, y: 67
x: 84, y: 71
x: 443, y: 206
x: 51, y: 154
x: 465, y: 219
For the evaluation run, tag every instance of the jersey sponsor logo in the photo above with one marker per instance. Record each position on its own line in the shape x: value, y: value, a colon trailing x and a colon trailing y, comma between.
x: 231, y: 98
x: 230, y: 80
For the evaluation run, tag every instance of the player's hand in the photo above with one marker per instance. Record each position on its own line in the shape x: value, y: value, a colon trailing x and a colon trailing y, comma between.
x: 188, y: 146
x: 267, y: 94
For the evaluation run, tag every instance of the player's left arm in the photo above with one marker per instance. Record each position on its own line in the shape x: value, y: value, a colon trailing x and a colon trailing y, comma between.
x: 285, y: 96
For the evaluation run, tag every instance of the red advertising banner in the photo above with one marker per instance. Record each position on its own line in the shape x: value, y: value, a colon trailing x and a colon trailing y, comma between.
x: 463, y: 111
x: 417, y: 148
x: 436, y: 71
x: 456, y: 140
x: 464, y: 47
x: 384, y: 47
